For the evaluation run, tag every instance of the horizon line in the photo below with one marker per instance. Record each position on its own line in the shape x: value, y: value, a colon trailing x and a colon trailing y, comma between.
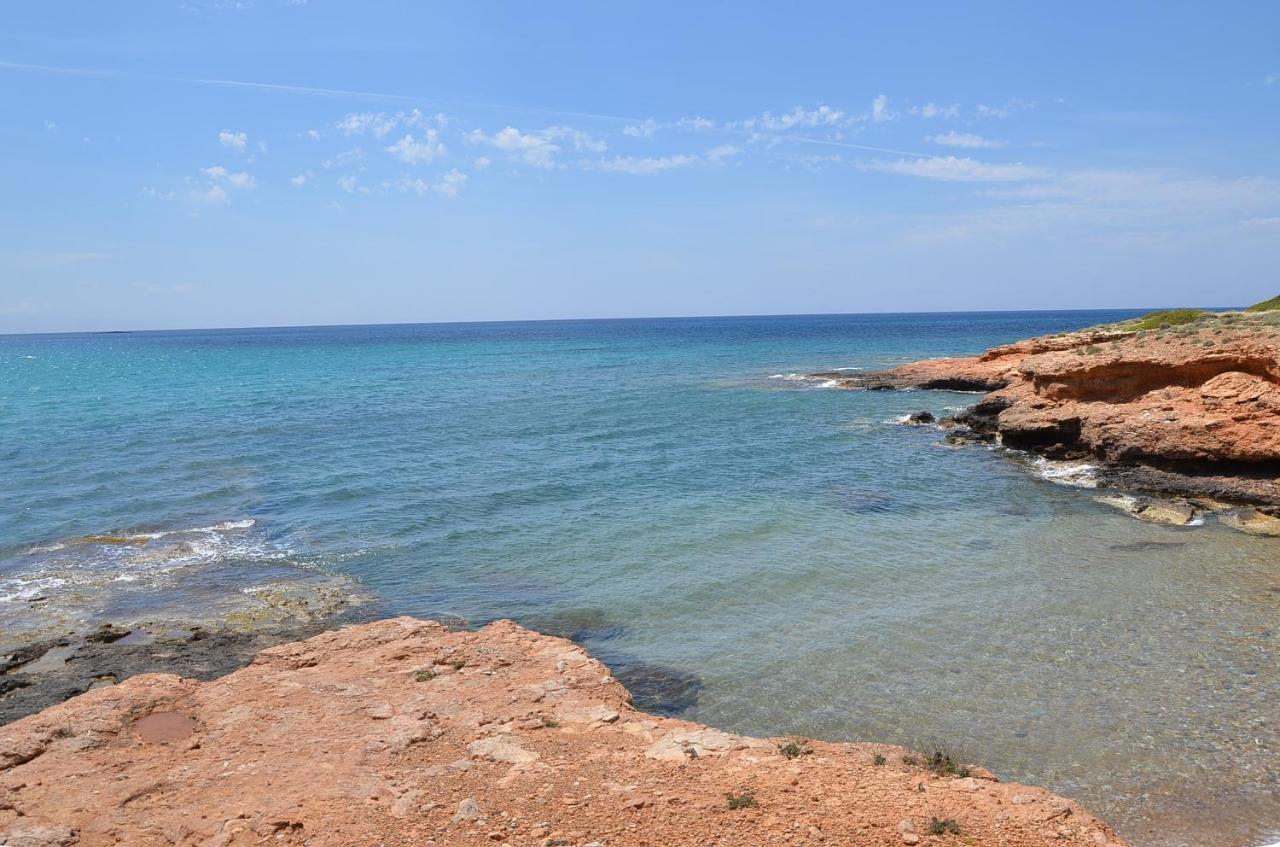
x: 6, y: 334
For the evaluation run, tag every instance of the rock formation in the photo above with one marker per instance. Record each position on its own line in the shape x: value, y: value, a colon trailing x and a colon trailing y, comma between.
x: 402, y: 732
x: 1192, y: 410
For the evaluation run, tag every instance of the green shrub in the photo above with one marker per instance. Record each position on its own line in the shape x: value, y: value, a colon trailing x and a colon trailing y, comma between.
x: 1169, y: 317
x: 1266, y: 305
x: 942, y: 827
x: 745, y: 800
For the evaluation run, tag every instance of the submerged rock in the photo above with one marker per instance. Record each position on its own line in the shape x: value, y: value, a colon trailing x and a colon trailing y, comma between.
x: 1253, y: 522
x: 1151, y: 510
x: 335, y: 741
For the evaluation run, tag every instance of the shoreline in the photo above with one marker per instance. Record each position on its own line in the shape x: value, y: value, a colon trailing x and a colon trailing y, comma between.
x: 1189, y: 413
x: 404, y: 732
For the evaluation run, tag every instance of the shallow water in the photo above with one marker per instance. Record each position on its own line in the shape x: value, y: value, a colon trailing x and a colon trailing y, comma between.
x: 763, y: 554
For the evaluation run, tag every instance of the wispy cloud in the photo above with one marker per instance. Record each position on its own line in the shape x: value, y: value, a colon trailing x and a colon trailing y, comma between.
x: 644, y: 129
x: 933, y: 110
x: 649, y: 165
x: 447, y: 186
x: 880, y: 111
x: 797, y: 118
x: 956, y: 169
x: 241, y: 181
x: 1134, y: 208
x: 964, y: 139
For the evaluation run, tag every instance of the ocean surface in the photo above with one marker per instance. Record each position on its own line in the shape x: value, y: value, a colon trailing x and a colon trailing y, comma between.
x: 755, y: 552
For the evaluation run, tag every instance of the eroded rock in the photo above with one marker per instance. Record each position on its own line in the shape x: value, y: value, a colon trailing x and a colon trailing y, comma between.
x: 290, y: 751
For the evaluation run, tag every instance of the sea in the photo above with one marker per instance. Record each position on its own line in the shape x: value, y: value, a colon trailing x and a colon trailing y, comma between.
x: 748, y: 549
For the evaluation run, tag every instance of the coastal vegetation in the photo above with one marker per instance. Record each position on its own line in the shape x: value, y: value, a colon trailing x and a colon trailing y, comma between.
x: 1169, y: 318
x: 1266, y: 305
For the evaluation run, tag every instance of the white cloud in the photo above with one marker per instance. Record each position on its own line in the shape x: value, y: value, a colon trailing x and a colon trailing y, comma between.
x: 649, y: 165
x: 643, y: 166
x: 242, y: 181
x: 644, y: 129
x: 1007, y: 110
x: 348, y: 157
x: 538, y: 148
x: 531, y: 148
x: 880, y: 109
x: 156, y: 194
x: 451, y: 183
x: 696, y: 123
x: 481, y: 163
x: 381, y: 124
x: 964, y: 139
x: 933, y: 110
x: 313, y: 134
x: 347, y: 183
x: 233, y: 140
x: 415, y: 152
x: 50, y: 125
x: 1272, y: 79
x: 797, y: 118
x: 955, y: 169
x: 448, y: 186
x: 300, y: 180
x: 718, y: 154
x: 214, y: 194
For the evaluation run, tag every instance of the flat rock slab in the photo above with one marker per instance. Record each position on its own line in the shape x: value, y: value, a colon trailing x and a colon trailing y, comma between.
x: 401, y: 732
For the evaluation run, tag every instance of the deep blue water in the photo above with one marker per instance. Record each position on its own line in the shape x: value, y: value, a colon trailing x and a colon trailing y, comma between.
x: 803, y: 561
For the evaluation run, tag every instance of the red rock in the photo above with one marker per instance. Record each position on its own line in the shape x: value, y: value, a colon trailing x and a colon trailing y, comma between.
x: 289, y: 754
x: 1186, y: 398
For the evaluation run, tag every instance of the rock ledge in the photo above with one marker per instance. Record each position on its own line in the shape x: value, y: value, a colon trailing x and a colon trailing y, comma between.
x: 402, y: 732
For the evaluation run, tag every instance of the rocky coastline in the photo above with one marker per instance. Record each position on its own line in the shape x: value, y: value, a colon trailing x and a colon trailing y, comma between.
x: 404, y: 731
x: 69, y: 657
x: 1187, y: 411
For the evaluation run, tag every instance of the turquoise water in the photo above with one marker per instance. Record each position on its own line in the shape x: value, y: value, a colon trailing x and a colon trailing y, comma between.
x: 755, y: 552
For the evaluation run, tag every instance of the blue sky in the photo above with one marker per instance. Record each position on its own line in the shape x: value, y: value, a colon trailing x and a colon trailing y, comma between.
x: 265, y: 162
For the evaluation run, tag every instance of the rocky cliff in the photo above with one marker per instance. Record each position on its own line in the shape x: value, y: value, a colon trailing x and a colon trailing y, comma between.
x: 1191, y: 409
x: 402, y: 732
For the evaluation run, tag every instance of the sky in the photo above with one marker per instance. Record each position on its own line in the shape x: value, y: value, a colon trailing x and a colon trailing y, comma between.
x: 207, y: 163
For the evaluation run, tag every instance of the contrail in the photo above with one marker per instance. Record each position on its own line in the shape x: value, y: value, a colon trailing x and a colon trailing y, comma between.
x: 286, y: 88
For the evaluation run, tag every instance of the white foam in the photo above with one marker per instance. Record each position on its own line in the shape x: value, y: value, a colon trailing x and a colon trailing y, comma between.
x: 92, y: 562
x: 806, y: 378
x: 1073, y: 474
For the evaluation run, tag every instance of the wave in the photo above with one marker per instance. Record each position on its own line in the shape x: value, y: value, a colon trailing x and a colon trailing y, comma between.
x: 807, y: 379
x: 1073, y: 474
x: 91, y: 562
